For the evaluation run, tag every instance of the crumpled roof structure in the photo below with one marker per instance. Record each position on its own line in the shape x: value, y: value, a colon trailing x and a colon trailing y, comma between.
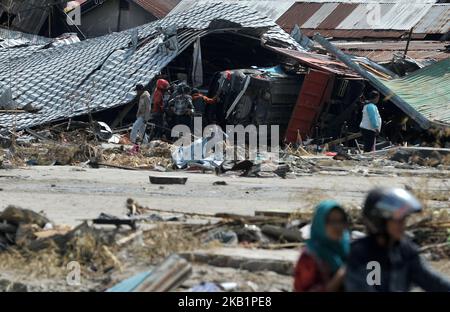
x: 426, y: 90
x: 100, y: 73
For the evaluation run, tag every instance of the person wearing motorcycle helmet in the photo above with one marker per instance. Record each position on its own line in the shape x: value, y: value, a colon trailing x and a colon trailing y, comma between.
x: 386, y: 260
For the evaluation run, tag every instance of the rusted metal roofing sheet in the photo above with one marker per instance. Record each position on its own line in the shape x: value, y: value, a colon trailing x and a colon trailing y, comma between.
x: 365, y: 17
x: 298, y: 14
x: 318, y: 61
x: 338, y: 15
x: 383, y: 51
x: 386, y: 56
x: 320, y: 15
x: 435, y: 21
x: 359, y: 34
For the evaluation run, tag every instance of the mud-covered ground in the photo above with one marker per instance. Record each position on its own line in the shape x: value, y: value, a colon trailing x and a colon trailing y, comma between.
x: 68, y: 194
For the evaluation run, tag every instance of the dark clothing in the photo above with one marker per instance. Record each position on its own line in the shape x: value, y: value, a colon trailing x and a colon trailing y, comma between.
x: 200, y: 102
x: 183, y: 120
x: 181, y: 104
x: 158, y: 120
x: 369, y: 139
x: 401, y: 268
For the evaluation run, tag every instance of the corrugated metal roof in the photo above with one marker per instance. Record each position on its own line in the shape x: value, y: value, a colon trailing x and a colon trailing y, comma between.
x: 158, y: 8
x: 338, y: 15
x: 435, y: 21
x: 320, y: 15
x: 355, y: 19
x: 363, y: 17
x: 28, y: 43
x: 269, y: 8
x: 426, y: 90
x: 403, y: 16
x: 298, y: 14
x: 100, y: 73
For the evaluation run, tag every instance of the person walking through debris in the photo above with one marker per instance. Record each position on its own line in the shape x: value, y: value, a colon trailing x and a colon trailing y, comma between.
x: 202, y: 106
x: 321, y: 266
x: 386, y: 260
x: 181, y: 106
x: 371, y: 122
x: 162, y: 86
x: 143, y: 114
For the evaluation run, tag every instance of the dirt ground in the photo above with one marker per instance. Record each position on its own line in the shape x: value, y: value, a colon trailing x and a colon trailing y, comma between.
x: 68, y: 194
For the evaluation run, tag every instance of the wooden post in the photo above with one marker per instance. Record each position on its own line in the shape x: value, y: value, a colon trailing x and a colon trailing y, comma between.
x: 407, y: 43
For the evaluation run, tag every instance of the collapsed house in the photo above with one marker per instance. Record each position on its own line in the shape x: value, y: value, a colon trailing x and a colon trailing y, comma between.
x: 52, y: 18
x: 274, y: 80
x: 99, y: 74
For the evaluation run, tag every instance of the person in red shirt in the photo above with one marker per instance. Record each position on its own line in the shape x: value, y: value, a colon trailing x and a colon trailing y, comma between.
x: 162, y: 86
x: 321, y: 266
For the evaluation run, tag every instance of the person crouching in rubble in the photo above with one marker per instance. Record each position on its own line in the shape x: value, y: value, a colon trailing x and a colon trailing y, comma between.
x: 143, y: 114
x: 201, y: 105
x: 162, y: 86
x: 321, y: 266
x: 371, y: 122
x: 182, y: 107
x: 386, y: 260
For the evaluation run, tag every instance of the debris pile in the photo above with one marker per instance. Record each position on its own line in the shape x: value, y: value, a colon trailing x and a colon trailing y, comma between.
x: 154, y: 234
x: 31, y: 238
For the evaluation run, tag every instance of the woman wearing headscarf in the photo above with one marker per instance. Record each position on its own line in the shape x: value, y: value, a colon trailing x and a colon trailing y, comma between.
x: 321, y: 266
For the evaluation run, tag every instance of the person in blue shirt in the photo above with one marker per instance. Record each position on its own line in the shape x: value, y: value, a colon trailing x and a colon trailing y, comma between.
x: 371, y: 122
